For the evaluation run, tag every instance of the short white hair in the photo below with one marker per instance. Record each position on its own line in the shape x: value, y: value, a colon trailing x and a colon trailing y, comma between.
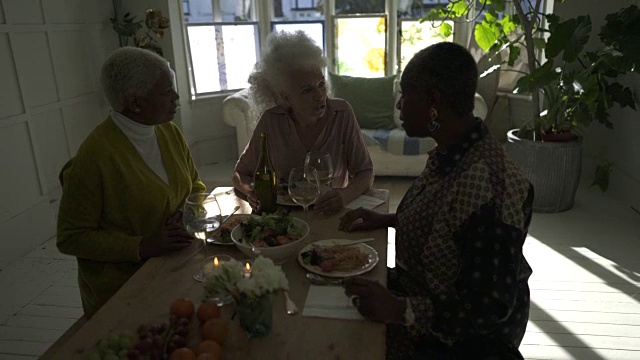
x: 130, y: 71
x: 282, y: 53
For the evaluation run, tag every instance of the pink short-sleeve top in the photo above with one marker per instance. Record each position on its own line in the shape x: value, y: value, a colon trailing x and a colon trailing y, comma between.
x: 341, y: 138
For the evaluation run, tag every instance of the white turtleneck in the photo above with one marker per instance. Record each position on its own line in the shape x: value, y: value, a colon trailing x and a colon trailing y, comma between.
x: 143, y: 138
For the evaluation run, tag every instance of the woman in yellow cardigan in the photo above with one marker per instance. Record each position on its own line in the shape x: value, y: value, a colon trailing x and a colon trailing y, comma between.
x: 123, y: 191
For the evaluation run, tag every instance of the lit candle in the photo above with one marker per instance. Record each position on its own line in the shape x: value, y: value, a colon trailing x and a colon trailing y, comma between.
x: 214, y: 262
x: 247, y: 270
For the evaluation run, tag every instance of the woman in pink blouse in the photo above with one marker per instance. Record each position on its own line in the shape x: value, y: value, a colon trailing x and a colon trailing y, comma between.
x: 289, y: 76
x: 459, y: 289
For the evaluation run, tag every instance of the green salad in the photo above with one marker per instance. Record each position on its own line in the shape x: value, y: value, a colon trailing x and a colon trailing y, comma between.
x: 269, y: 230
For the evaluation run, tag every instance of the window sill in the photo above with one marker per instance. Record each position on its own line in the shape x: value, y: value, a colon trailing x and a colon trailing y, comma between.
x: 213, y: 96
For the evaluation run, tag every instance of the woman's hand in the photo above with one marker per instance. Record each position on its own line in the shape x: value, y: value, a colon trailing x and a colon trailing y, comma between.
x: 370, y: 220
x: 374, y: 301
x: 252, y: 199
x: 170, y: 238
x: 329, y: 202
x: 175, y: 218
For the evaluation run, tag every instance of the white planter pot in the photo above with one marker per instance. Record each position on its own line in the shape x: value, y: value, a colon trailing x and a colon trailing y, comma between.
x: 552, y: 167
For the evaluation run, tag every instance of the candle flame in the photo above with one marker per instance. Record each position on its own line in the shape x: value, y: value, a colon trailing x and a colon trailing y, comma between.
x: 215, y: 261
x: 248, y: 266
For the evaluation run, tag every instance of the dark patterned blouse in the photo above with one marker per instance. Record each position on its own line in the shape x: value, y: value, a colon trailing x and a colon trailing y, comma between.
x: 460, y: 231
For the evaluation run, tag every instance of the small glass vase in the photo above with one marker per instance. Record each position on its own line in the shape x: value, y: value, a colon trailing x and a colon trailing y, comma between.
x: 255, y: 316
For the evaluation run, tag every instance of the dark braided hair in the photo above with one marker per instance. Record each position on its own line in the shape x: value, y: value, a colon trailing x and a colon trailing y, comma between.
x: 448, y: 68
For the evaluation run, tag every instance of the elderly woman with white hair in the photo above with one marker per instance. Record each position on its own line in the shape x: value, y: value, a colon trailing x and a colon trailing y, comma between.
x: 289, y: 89
x: 123, y: 190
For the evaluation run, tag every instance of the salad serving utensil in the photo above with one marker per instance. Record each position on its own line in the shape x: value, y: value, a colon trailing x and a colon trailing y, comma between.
x: 184, y: 261
x: 225, y: 219
x: 254, y: 249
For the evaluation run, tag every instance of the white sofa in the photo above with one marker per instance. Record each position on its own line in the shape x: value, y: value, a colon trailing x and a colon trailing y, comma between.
x: 387, y: 161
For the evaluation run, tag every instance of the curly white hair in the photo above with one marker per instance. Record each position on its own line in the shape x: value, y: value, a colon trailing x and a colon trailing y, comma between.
x: 130, y: 71
x: 282, y: 53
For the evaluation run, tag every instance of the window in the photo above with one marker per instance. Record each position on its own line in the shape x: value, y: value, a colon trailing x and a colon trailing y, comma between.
x: 360, y: 48
x: 360, y: 37
x: 305, y: 15
x: 214, y: 31
x: 414, y: 37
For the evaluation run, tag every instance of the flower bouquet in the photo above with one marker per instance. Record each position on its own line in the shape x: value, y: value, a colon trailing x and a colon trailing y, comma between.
x: 251, y: 286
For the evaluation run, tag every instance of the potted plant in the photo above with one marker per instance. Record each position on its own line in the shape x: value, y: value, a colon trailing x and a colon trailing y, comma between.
x: 571, y: 86
x: 128, y: 30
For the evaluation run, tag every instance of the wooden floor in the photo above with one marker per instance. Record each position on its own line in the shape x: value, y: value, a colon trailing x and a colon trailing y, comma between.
x: 585, y: 288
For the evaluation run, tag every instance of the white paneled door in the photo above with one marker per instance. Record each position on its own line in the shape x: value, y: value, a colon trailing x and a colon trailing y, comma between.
x: 50, y: 52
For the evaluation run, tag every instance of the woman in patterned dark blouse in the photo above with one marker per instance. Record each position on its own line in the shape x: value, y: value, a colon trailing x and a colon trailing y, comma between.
x: 459, y: 289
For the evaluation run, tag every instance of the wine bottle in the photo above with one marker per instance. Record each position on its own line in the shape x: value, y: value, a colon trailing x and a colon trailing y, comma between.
x: 264, y: 179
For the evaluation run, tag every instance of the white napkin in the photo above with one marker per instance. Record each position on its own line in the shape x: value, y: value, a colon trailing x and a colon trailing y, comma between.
x: 367, y: 202
x: 330, y: 302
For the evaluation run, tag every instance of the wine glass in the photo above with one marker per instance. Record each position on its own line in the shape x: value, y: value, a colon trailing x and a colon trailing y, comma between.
x: 321, y: 161
x: 304, y: 187
x: 202, y: 217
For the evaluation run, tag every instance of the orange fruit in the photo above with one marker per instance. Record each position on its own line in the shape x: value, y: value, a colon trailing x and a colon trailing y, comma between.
x: 183, y: 353
x: 208, y: 346
x: 182, y: 308
x: 216, y: 330
x: 207, y: 311
x: 208, y: 356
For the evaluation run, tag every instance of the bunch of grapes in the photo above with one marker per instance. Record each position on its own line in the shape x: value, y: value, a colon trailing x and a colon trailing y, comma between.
x: 154, y: 341
x: 115, y: 347
x: 178, y: 336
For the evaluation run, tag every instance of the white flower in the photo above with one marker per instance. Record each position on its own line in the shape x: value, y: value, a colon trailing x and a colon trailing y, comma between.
x: 229, y: 277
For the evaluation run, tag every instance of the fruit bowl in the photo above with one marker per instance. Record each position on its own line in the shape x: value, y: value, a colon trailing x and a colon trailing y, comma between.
x: 280, y: 253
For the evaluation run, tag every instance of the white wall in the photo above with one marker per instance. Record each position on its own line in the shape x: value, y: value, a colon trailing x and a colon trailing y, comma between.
x: 622, y: 145
x: 50, y: 55
x: 50, y: 51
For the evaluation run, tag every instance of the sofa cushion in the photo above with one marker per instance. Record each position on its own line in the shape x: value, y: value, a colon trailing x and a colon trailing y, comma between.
x: 372, y: 99
x: 397, y: 142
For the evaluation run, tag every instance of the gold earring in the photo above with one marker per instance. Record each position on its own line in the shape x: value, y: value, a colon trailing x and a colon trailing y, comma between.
x: 433, y: 114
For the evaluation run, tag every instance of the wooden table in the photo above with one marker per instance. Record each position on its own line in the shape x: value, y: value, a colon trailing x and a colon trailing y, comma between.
x: 146, y: 297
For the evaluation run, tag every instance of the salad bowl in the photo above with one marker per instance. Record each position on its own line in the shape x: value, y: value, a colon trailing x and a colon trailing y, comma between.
x: 284, y: 236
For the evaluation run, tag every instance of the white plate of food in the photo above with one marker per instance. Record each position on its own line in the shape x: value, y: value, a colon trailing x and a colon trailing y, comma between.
x: 337, y: 258
x: 286, y: 200
x: 222, y: 236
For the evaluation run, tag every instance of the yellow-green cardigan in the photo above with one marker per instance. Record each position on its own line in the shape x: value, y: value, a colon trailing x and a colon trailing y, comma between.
x: 111, y: 199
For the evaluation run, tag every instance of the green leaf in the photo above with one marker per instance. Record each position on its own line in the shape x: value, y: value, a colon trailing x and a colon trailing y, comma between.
x: 514, y: 54
x: 499, y: 5
x: 601, y: 177
x: 434, y: 15
x: 539, y: 43
x: 458, y: 8
x: 568, y: 37
x: 621, y: 31
x: 485, y: 36
x: 446, y: 30
x: 507, y: 25
x: 489, y: 17
x: 616, y: 60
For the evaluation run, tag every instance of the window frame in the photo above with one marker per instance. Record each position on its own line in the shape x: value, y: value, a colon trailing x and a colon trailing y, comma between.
x: 191, y: 71
x: 262, y: 13
x: 333, y: 60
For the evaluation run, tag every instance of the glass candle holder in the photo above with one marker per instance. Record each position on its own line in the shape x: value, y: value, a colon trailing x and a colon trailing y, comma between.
x: 219, y: 299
